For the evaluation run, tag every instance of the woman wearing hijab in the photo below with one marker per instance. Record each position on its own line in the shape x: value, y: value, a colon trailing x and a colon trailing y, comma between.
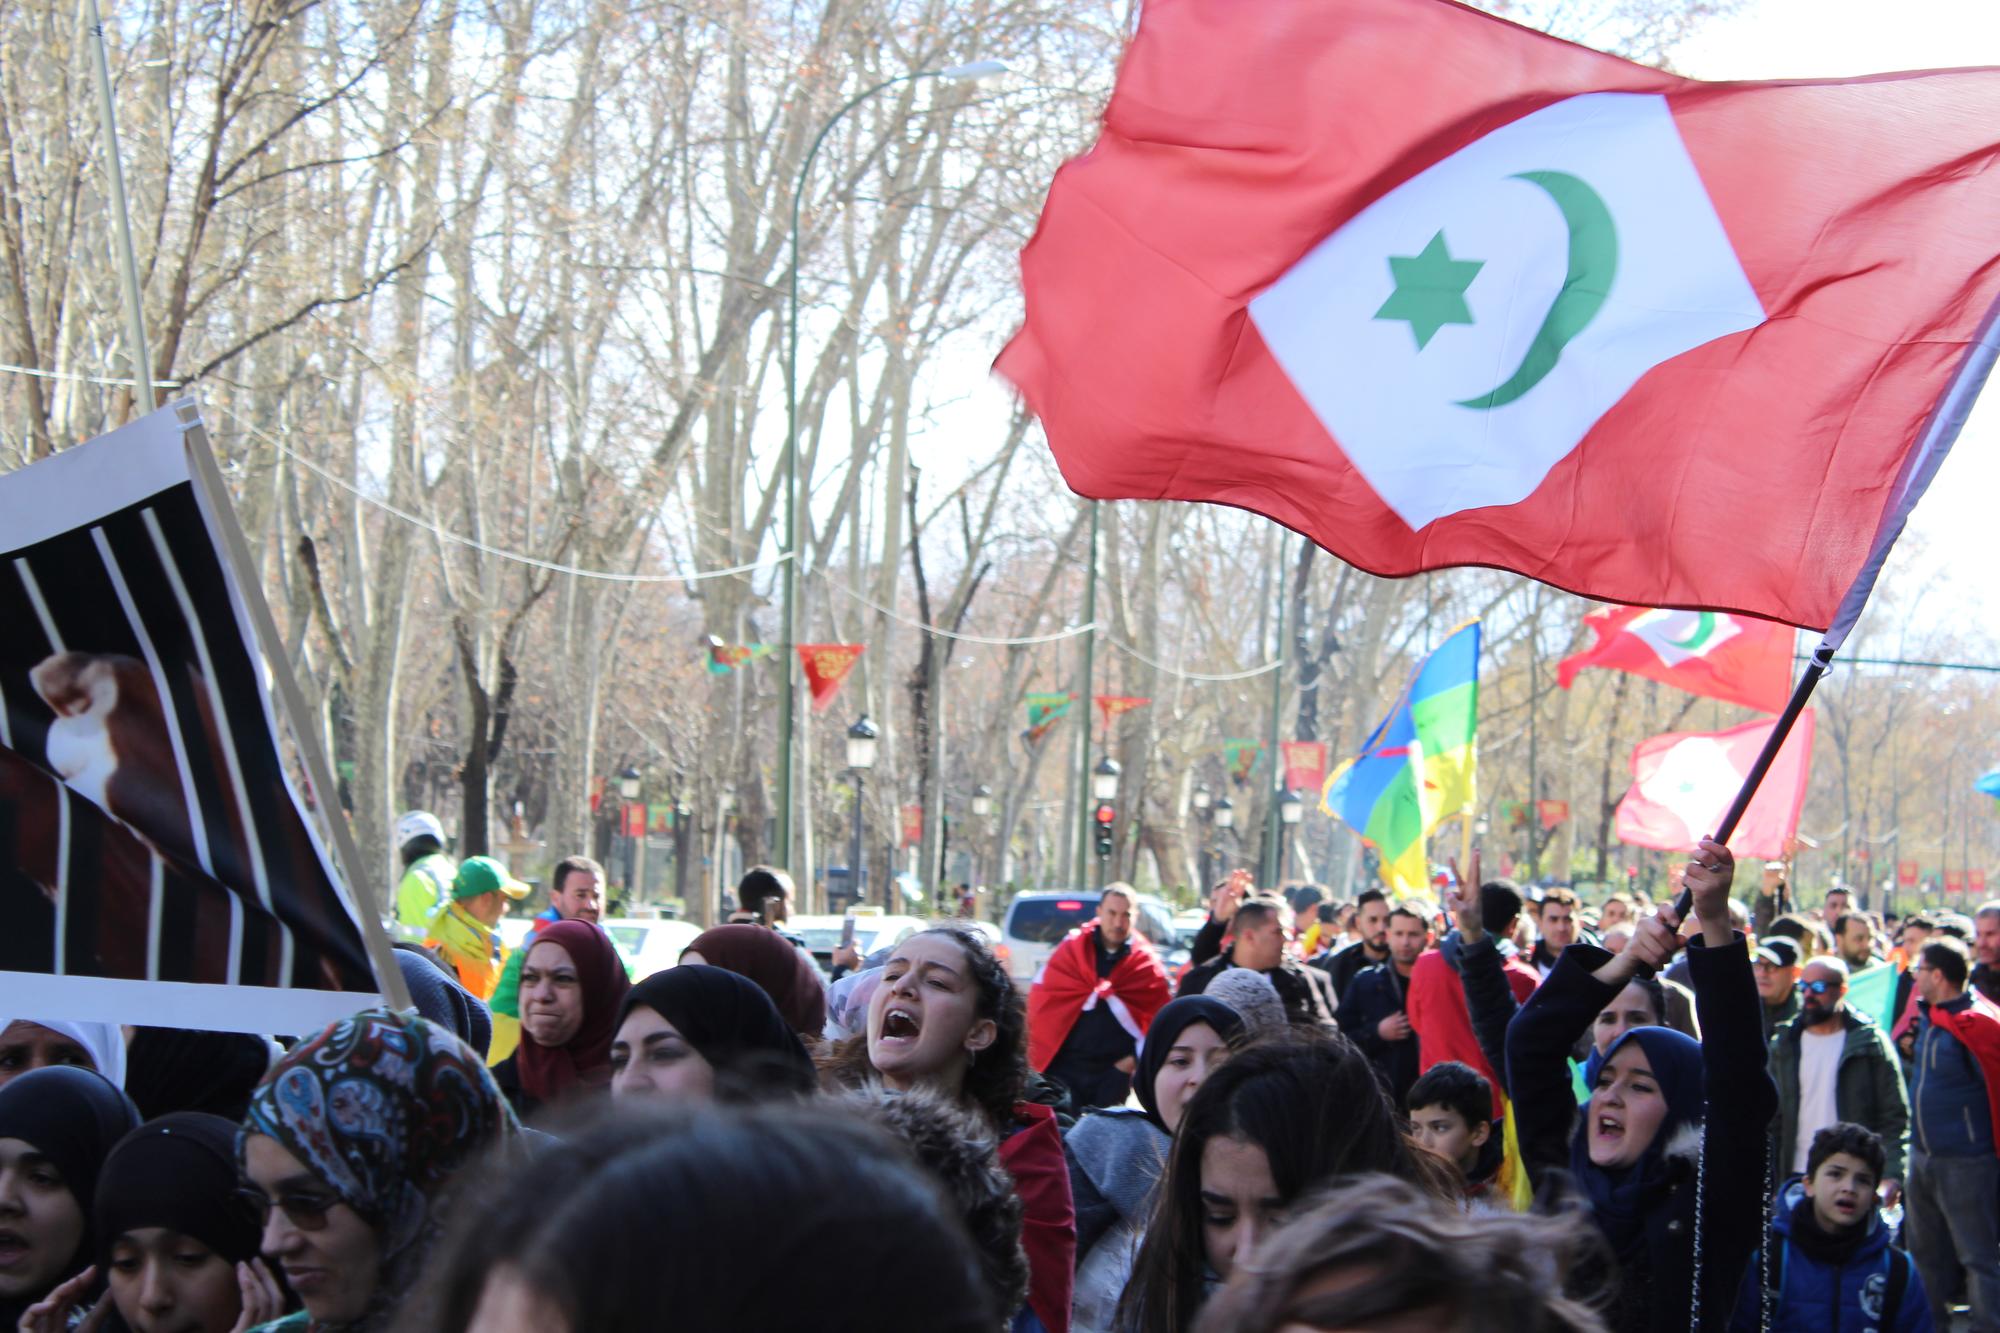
x: 1117, y: 1155
x: 185, y: 1069
x: 57, y: 1125
x: 176, y: 1241
x: 1669, y: 1151
x: 351, y: 1151
x: 40, y: 1043
x: 764, y: 956
x: 572, y: 984
x: 698, y: 1033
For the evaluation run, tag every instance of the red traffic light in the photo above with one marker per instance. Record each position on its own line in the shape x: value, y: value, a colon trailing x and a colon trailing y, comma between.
x: 1106, y: 814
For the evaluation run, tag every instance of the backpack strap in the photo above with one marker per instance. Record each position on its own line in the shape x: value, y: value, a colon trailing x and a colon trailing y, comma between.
x: 1899, y: 1282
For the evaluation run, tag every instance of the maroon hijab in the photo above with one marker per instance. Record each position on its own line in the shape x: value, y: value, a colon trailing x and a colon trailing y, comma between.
x: 547, y: 1072
x: 771, y: 961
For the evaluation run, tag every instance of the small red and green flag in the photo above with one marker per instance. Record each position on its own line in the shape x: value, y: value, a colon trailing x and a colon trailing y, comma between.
x: 1737, y: 659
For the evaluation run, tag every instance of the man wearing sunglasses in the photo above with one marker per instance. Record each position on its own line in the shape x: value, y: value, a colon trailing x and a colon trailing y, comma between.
x: 1833, y: 1065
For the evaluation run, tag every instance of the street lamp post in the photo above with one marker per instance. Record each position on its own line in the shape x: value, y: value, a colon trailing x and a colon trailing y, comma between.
x: 1202, y: 799
x: 789, y: 575
x: 861, y: 741
x: 1290, y: 810
x: 982, y: 812
x: 628, y: 792
x: 1224, y: 817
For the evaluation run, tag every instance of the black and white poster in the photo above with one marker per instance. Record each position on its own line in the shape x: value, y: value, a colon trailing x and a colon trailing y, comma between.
x: 156, y: 865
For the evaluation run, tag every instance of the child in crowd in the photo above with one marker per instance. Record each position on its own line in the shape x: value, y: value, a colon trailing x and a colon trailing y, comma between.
x: 1827, y: 1260
x: 1451, y: 1113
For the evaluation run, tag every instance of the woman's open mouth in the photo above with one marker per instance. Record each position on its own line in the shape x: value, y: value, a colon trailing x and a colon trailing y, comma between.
x: 899, y: 1024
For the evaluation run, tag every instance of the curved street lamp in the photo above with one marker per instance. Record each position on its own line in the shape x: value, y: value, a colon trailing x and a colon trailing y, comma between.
x: 861, y: 742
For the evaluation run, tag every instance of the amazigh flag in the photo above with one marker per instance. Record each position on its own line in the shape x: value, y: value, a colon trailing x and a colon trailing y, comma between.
x: 725, y: 657
x: 1420, y: 765
x: 1115, y: 706
x: 827, y: 665
x: 1044, y: 711
x: 1738, y: 659
x: 1682, y: 784
x: 1435, y: 289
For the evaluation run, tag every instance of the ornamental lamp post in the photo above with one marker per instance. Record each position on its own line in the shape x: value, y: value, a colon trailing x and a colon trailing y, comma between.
x: 628, y: 792
x: 861, y: 742
x: 1223, y: 814
x: 1290, y: 810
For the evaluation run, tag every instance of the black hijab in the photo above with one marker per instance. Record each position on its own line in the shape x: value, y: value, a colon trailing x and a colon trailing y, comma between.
x: 1169, y: 1023
x: 73, y: 1117
x: 177, y: 1172
x: 733, y: 1024
x: 183, y: 1069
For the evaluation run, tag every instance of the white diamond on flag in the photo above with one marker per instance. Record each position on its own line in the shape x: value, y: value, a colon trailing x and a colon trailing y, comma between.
x: 1696, y: 780
x: 1460, y: 335
x: 1676, y: 636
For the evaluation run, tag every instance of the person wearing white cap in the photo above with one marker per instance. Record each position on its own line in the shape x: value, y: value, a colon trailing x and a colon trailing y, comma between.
x: 427, y: 875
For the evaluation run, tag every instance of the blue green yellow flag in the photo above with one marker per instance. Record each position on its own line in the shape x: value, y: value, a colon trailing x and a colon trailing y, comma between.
x: 1871, y: 992
x: 1420, y: 765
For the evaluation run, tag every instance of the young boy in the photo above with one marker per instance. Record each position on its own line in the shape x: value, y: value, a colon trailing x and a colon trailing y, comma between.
x: 1451, y: 1113
x: 1827, y: 1262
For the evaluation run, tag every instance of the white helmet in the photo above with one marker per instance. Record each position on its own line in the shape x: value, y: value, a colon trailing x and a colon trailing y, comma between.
x: 418, y: 824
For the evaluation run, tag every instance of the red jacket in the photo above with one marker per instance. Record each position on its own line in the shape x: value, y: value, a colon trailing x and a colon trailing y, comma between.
x: 1978, y: 1029
x: 1033, y: 1155
x: 1436, y: 1008
x: 1136, y: 990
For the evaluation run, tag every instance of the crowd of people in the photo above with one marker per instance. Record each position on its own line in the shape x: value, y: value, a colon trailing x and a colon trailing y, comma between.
x: 1498, y: 1110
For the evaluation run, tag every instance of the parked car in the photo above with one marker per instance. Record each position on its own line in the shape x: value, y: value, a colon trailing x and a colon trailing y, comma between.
x: 1036, y: 923
x: 649, y: 944
x: 872, y: 930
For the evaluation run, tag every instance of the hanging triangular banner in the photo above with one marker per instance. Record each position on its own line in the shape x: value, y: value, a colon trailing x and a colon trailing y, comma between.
x: 827, y: 665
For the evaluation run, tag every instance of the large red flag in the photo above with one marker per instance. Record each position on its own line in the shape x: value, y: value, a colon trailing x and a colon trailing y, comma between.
x: 1435, y: 289
x: 1738, y: 659
x: 1682, y: 783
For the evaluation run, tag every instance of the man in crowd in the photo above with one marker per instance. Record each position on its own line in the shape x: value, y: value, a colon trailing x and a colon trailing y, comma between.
x: 427, y: 874
x: 1558, y: 929
x: 1259, y: 931
x: 1090, y: 1007
x: 1953, y: 1184
x: 1374, y: 1010
x: 1776, y: 966
x: 764, y: 898
x: 464, y: 932
x: 1771, y: 897
x: 1986, y: 941
x: 1833, y: 1065
x: 1615, y: 914
x: 1837, y: 904
x: 1436, y: 999
x: 1371, y: 923
x: 1854, y: 938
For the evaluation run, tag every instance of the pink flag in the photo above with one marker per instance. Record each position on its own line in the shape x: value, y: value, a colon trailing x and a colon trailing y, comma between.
x: 1682, y: 784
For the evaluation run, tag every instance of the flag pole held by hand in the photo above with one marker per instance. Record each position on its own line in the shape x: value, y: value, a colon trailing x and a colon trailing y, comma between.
x: 1822, y: 660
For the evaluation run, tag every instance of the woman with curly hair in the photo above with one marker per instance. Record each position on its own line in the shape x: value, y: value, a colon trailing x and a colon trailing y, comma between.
x: 1269, y: 1125
x: 946, y: 1017
x: 1379, y: 1253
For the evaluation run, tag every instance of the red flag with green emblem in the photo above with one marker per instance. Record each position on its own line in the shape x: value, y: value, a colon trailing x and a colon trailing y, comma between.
x: 1738, y: 659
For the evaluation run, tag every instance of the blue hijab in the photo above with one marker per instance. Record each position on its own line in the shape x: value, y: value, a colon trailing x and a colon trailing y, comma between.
x: 1619, y: 1198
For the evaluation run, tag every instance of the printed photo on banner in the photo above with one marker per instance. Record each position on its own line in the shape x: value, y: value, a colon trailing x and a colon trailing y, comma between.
x: 154, y: 860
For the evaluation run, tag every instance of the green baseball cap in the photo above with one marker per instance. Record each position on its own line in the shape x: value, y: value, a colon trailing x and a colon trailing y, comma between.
x: 483, y: 874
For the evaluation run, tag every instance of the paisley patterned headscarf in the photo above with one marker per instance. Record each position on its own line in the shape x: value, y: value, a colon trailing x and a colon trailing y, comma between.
x: 385, y: 1108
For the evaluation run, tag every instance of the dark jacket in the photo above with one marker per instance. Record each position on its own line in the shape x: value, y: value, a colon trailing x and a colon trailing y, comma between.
x: 1374, y: 994
x: 1868, y: 1088
x: 1207, y: 941
x: 1307, y: 995
x: 1817, y: 1290
x: 1777, y: 1018
x: 1951, y: 1112
x: 1342, y: 966
x: 1728, y: 1170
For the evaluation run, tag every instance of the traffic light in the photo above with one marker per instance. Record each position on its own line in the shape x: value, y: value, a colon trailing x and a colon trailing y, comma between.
x: 1107, y: 815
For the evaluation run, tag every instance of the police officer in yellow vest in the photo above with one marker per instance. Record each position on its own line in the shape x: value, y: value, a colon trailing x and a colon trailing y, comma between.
x: 427, y: 875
